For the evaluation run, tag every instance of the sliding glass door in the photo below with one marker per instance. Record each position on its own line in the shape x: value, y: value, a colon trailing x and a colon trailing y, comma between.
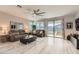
x: 55, y: 28
x: 50, y: 28
x: 58, y: 25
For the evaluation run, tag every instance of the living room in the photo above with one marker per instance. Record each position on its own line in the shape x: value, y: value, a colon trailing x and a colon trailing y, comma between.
x: 40, y: 23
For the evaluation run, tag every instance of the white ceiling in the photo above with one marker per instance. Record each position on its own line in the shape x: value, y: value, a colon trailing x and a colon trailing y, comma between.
x: 51, y: 10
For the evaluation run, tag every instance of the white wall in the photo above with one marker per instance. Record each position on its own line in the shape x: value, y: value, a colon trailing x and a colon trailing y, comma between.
x: 69, y: 18
x: 6, y: 18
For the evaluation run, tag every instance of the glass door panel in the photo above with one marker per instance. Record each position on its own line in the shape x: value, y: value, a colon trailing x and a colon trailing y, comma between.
x: 50, y: 28
x: 58, y: 25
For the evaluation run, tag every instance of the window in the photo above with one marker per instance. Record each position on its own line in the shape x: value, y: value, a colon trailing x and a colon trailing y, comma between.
x: 40, y: 25
x: 30, y: 26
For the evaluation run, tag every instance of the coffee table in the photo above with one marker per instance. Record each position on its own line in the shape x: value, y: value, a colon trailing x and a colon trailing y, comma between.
x: 27, y: 39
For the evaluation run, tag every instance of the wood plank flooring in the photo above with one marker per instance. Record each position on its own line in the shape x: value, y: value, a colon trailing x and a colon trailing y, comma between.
x: 46, y: 45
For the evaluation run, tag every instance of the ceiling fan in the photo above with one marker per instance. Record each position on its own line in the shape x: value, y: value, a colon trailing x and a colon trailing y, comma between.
x: 36, y: 12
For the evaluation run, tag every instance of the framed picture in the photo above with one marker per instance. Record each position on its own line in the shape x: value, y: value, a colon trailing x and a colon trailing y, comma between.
x: 69, y: 25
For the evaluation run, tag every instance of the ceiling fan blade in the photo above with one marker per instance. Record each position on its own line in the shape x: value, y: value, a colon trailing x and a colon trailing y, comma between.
x: 34, y: 11
x: 41, y: 13
x: 38, y: 10
x: 19, y: 6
